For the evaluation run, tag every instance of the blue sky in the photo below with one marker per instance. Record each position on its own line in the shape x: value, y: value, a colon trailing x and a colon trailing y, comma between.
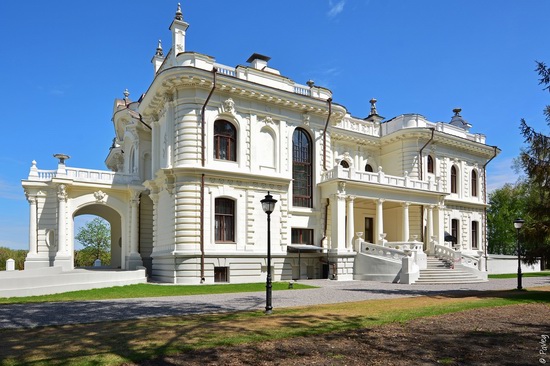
x: 63, y: 63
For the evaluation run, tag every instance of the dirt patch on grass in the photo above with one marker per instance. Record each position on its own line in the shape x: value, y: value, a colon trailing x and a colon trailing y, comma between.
x: 507, y: 335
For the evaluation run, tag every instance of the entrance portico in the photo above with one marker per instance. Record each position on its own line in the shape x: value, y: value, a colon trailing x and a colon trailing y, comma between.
x: 402, y: 210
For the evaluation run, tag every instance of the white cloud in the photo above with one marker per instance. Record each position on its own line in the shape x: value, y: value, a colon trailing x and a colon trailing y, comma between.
x: 335, y: 8
x: 499, y: 173
x: 11, y: 192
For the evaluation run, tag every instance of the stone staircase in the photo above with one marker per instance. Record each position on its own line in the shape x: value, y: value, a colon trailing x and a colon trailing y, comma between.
x: 440, y: 272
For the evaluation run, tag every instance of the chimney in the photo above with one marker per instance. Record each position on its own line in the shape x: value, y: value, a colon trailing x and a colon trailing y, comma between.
x: 258, y: 61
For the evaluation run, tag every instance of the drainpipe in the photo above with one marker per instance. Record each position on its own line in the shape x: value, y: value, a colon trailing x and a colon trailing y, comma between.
x: 485, y: 201
x: 325, y: 232
x: 420, y: 169
x: 420, y: 153
x: 143, y: 122
x: 203, y: 147
x: 329, y: 101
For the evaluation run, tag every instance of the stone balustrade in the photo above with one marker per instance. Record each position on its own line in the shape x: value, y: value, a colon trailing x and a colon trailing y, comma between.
x: 339, y: 172
x: 382, y: 251
x: 82, y: 175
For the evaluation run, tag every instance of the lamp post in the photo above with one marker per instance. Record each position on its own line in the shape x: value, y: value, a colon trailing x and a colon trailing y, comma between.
x: 518, y: 223
x: 268, y: 205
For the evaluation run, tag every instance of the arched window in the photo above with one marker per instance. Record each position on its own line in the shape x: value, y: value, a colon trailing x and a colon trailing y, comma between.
x: 430, y: 164
x: 453, y: 179
x: 344, y: 164
x: 225, y: 141
x: 474, y: 183
x: 368, y: 168
x: 301, y: 169
x: 225, y: 220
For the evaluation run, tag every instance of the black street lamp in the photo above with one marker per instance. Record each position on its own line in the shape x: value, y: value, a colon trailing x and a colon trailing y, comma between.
x: 518, y: 223
x: 268, y: 205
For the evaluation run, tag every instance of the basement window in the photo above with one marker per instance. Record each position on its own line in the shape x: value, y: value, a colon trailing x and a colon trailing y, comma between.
x: 221, y: 274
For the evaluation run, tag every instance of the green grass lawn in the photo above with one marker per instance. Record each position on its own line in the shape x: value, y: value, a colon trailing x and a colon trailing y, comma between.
x: 514, y: 275
x: 151, y: 290
x: 133, y: 341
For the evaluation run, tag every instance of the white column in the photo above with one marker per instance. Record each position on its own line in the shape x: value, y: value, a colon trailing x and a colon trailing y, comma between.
x: 350, y: 224
x: 134, y: 225
x: 438, y: 224
x: 155, y: 148
x: 63, y: 258
x: 33, y: 244
x: 429, y: 229
x: 338, y: 213
x: 134, y: 259
x: 379, y: 229
x: 405, y: 234
x: 61, y: 219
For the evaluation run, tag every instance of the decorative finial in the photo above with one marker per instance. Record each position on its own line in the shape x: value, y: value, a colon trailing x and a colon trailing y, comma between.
x: 126, y: 94
x: 179, y: 14
x: 61, y: 157
x: 310, y: 83
x: 159, y: 49
x: 373, y: 106
x: 457, y: 111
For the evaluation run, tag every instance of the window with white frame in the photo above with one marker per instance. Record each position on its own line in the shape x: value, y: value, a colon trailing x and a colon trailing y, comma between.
x: 224, y: 220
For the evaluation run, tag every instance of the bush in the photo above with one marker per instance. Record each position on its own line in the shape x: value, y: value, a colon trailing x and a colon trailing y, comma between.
x: 17, y: 255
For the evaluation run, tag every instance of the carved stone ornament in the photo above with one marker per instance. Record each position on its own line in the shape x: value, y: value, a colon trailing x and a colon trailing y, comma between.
x: 342, y: 187
x: 306, y: 118
x: 100, y: 196
x: 268, y: 120
x: 62, y: 192
x: 229, y: 106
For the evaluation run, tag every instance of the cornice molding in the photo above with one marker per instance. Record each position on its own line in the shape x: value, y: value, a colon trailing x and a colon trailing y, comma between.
x: 169, y: 80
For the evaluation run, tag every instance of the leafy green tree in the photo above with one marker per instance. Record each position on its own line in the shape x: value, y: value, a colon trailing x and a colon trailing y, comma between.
x: 506, y: 204
x: 18, y: 256
x: 95, y: 236
x: 535, y: 161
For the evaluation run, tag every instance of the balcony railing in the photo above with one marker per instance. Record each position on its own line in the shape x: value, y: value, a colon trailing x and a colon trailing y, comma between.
x: 82, y: 175
x: 338, y: 172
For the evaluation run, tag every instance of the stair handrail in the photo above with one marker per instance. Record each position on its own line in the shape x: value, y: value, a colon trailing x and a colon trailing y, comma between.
x: 454, y: 257
x: 404, y: 245
x: 382, y: 251
x: 469, y: 261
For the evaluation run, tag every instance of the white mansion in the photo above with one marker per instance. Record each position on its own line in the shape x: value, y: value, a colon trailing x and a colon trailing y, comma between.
x: 358, y: 198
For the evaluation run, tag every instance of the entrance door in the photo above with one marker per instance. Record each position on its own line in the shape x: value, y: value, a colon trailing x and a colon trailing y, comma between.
x: 369, y: 229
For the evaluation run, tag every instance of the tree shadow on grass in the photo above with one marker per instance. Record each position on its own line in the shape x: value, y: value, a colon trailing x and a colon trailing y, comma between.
x: 114, y: 342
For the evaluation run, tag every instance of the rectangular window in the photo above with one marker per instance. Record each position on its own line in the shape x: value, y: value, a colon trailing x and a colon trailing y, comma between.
x: 302, y: 236
x: 225, y: 220
x: 221, y: 274
x: 475, y: 229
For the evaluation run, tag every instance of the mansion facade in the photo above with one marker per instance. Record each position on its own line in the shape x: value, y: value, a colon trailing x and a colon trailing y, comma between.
x: 357, y: 198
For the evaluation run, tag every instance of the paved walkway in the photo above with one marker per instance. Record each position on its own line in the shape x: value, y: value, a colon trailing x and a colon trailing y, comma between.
x: 329, y: 292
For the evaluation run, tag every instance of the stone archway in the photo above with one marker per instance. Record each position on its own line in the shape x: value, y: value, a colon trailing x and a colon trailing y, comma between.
x: 114, y: 219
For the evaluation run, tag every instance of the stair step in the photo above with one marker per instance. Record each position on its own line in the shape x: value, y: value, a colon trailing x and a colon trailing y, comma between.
x: 440, y: 272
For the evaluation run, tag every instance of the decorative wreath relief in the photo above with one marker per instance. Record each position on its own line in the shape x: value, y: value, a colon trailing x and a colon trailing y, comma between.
x: 100, y: 196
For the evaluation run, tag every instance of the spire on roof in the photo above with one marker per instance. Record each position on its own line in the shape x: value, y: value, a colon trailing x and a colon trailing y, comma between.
x: 126, y: 95
x: 159, y: 49
x: 179, y: 14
